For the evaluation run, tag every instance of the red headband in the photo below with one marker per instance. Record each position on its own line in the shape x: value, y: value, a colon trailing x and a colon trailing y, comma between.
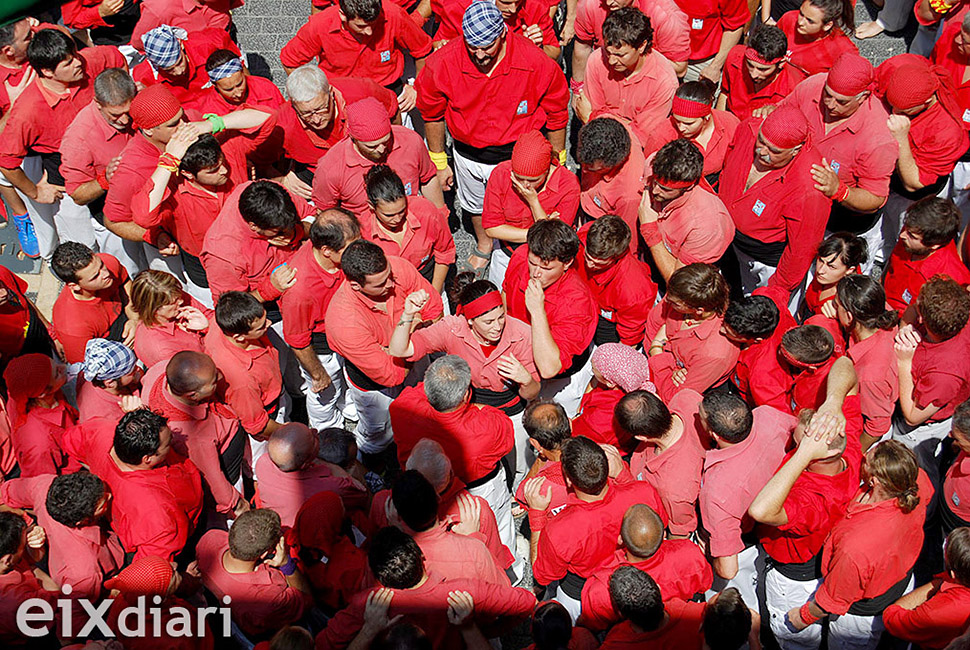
x: 751, y: 53
x: 671, y: 184
x: 689, y: 108
x: 481, y: 305
x: 787, y: 356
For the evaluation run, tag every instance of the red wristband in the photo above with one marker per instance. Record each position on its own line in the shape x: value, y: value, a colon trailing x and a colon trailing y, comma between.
x: 103, y: 180
x: 537, y: 519
x: 841, y: 193
x: 806, y: 614
x: 651, y: 233
x: 576, y: 86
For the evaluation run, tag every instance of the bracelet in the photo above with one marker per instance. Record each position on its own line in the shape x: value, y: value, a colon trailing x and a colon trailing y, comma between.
x: 841, y: 193
x: 576, y: 86
x: 562, y: 157
x: 806, y: 614
x: 439, y: 158
x: 218, y: 124
x: 289, y: 568
x: 169, y: 162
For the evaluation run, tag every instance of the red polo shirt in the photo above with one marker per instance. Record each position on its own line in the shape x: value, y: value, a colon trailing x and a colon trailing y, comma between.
x: 526, y: 90
x: 380, y: 58
x: 678, y: 567
x: 682, y: 631
x: 339, y: 179
x: 88, y: 145
x: 956, y: 487
x: 504, y: 206
x: 760, y: 360
x: 740, y: 90
x: 935, y: 623
x: 252, y: 377
x: 696, y: 227
x: 850, y: 570
x: 14, y: 319
x: 947, y: 55
x: 38, y: 442
x: 360, y: 332
x: 708, y: 20
x: 426, y: 238
x: 304, y: 305
x: 812, y: 56
x: 174, y: 490
x: 595, y: 418
x: 75, y: 321
x: 642, y: 98
x: 190, y: 87
x: 570, y: 306
x: 583, y: 537
x: 937, y: 141
x: 556, y: 486
x: 809, y: 385
x: 12, y: 76
x: 676, y: 471
x: 782, y: 206
x: 93, y: 402
x: 878, y: 373
x: 725, y: 125
x: 260, y: 93
x: 456, y: 557
x: 616, y: 192
x: 733, y: 476
x: 941, y: 374
x: 190, y: 15
x: 671, y: 31
x: 138, y: 161
x: 285, y: 492
x: 162, y: 342
x: 906, y: 275
x: 534, y: 12
x: 449, y: 14
x: 237, y: 259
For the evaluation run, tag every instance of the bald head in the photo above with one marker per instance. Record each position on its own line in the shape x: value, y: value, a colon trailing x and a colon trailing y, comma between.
x: 334, y: 229
x: 430, y: 460
x: 642, y: 530
x: 292, y: 447
x: 189, y: 372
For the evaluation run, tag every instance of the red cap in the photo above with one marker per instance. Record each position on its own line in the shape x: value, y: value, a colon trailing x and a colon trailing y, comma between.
x: 850, y: 75
x: 785, y: 128
x: 148, y: 576
x: 26, y: 376
x: 153, y: 106
x: 912, y: 84
x: 367, y: 120
x: 531, y: 155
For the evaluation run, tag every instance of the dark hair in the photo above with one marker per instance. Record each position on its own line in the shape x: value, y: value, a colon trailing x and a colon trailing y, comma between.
x: 181, y: 371
x: 366, y: 10
x: 727, y: 621
x: 268, y: 206
x: 865, y: 300
x: 603, y: 139
x: 464, y: 288
x: 608, y: 237
x: 254, y: 533
x: 362, y: 258
x: 333, y: 228
x: 395, y: 559
x: 415, y: 500
x: 728, y: 416
x: 636, y: 597
x: 69, y: 258
x: 403, y: 635
x: 641, y: 413
x: 137, y: 435
x: 584, y: 463
x: 852, y: 250
x: 935, y: 220
x: 291, y: 637
x: 957, y: 554
x: 552, y: 626
x: 753, y: 317
x: 627, y: 26
x: 204, y: 153
x: 114, y: 87
x: 809, y: 343
x: 335, y: 446
x: 383, y: 185
x: 219, y: 57
x: 769, y: 42
x: 236, y: 311
x: 840, y: 12
x: 679, y: 160
x: 699, y: 286
x: 701, y: 91
x: 8, y: 32
x: 49, y: 48
x: 552, y: 239
x: 943, y: 306
x: 547, y: 423
x: 961, y: 420
x: 11, y: 533
x: 73, y: 498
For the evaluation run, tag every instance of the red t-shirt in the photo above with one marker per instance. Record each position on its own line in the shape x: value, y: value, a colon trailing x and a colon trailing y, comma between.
x: 426, y: 237
x: 304, y: 305
x: 742, y: 96
x: 595, y: 418
x: 760, y: 360
x: 504, y: 206
x: 708, y: 20
x: 935, y: 623
x: 810, y: 57
x: 725, y: 125
x: 906, y: 275
x: 253, y: 382
x: 682, y: 631
x: 941, y: 374
x: 671, y: 33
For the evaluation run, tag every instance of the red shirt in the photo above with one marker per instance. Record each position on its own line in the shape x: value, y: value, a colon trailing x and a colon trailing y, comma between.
x: 93, y: 402
x: 947, y: 55
x: 252, y: 377
x: 956, y: 487
x: 16, y: 587
x: 260, y: 93
x: 14, y: 318
x: 341, y: 54
x: 138, y: 161
x: 456, y: 557
x: 529, y: 13
x: 526, y: 90
x: 937, y: 141
x: 38, y: 442
x: 426, y: 238
x: 733, y: 476
x: 88, y: 145
x: 339, y: 179
x: 671, y: 32
x: 782, y: 206
x: 676, y: 471
x: 583, y: 537
x: 941, y: 374
x: 682, y: 631
x: 595, y: 418
x: 504, y: 206
x: 742, y: 97
x: 174, y: 490
x: 616, y: 192
x: 304, y: 305
x: 878, y: 373
x: 935, y: 623
x: 555, y: 484
x: 570, y: 306
x: 709, y: 19
x: 906, y: 275
x: 725, y: 125
x: 76, y: 321
x: 360, y: 332
x: 12, y: 76
x: 678, y: 567
x: 285, y: 492
x: 760, y: 360
x: 190, y: 15
x: 809, y: 385
x: 474, y: 437
x: 262, y: 601
x: 812, y: 56
x: 696, y: 227
x: 641, y: 98
x: 850, y: 570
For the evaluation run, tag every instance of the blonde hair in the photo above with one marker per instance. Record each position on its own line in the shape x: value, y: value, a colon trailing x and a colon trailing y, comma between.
x: 150, y: 291
x: 895, y: 466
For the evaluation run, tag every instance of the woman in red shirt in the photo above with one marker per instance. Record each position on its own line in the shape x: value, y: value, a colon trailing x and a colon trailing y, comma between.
x: 840, y: 255
x: 816, y: 34
x: 169, y: 320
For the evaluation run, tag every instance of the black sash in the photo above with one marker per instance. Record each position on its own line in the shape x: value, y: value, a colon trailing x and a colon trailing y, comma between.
x: 578, y: 362
x: 194, y: 269
x: 96, y: 208
x: 52, y: 165
x: 117, y: 330
x: 713, y: 179
x: 231, y: 459
x: 361, y: 380
x: 507, y: 400
x: 768, y: 253
x: 801, y: 571
x: 605, y: 331
x: 842, y: 218
x: 499, y: 466
x: 303, y: 172
x: 37, y: 338
x: 273, y: 311
x: 120, y: 26
x: 572, y: 585
x: 508, y: 247
x: 319, y: 342
x: 875, y: 606
x: 491, y: 155
x: 896, y: 185
x: 427, y: 269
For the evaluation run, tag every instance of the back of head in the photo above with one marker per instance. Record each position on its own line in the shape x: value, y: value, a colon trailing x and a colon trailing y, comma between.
x: 552, y: 239
x: 254, y: 534
x: 336, y: 445
x: 292, y: 446
x: 428, y: 458
x: 701, y: 91
x: 636, y: 597
x: 334, y: 228
x: 366, y: 10
x: 69, y: 258
x: 383, y: 185
x: 584, y: 463
x: 8, y: 33
x: 402, y: 636
x: 895, y: 466
x: 551, y: 626
x: 218, y: 58
x: 608, y: 238
x: 72, y: 499
x: 292, y: 637
x: 727, y: 416
x: 840, y: 12
x: 753, y: 317
x: 395, y: 559
x: 935, y: 220
x: 446, y: 382
x: 306, y: 82
x: 188, y: 371
x: 547, y: 423
x: 604, y: 140
x: 642, y: 530
x: 363, y: 258
x: 699, y: 286
x: 641, y: 413
x: 137, y: 435
x: 627, y: 26
x: 943, y: 306
x: 151, y: 290
x: 865, y: 300
x: 851, y: 250
x: 956, y: 552
x: 808, y: 344
x: 12, y: 528
x: 769, y: 42
x: 961, y: 420
x: 237, y: 312
x: 415, y: 500
x: 48, y: 48
x: 203, y: 154
x: 727, y: 621
x: 679, y: 161
x: 114, y: 87
x: 268, y: 206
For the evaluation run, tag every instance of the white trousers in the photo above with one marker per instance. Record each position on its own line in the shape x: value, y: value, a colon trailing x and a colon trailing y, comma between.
x: 754, y: 274
x: 496, y: 492
x: 470, y: 180
x: 851, y: 632
x: 325, y: 409
x: 573, y: 606
x: 373, y: 432
x: 173, y: 264
x: 781, y: 595
x: 926, y: 441
x: 746, y: 579
x: 568, y: 391
x: 498, y: 266
x: 131, y: 254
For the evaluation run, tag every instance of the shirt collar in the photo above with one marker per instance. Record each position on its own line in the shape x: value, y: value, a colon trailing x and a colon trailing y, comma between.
x: 52, y: 98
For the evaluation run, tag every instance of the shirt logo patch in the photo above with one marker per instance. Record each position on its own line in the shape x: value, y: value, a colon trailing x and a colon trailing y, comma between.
x: 758, y: 207
x: 407, y: 189
x: 956, y: 499
x: 907, y: 296
x: 523, y: 108
x: 608, y: 315
x: 835, y: 166
x: 966, y: 115
x: 385, y: 56
x: 697, y: 23
x: 597, y: 201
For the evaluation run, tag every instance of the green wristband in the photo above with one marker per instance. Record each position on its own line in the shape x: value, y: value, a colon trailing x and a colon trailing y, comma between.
x: 218, y: 124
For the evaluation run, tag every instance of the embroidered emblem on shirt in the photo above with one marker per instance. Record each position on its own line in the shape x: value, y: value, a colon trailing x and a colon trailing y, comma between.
x: 385, y: 56
x: 966, y: 115
x: 407, y: 189
x: 523, y: 108
x: 597, y: 201
x: 907, y: 296
x: 835, y: 166
x: 758, y: 207
x: 697, y: 23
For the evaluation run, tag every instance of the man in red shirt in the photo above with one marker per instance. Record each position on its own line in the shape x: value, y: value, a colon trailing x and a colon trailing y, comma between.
x: 532, y: 18
x: 680, y: 221
x: 755, y: 74
x: 234, y: 87
x: 955, y: 512
x: 926, y: 248
x: 611, y: 160
x: 111, y: 381
x: 21, y: 582
x: 716, y: 27
x: 490, y: 88
x: 251, y: 564
x: 190, y: 15
x: 23, y: 329
x: 542, y: 289
x: 549, y: 428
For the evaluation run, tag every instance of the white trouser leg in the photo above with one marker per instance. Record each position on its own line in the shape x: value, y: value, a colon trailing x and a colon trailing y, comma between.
x: 258, y: 447
x: 41, y: 214
x: 173, y: 264
x: 959, y: 181
x: 499, y: 265
x: 323, y: 408
x: 746, y: 580
x: 74, y: 222
x: 523, y: 454
x: 781, y: 595
x: 573, y: 606
x: 926, y: 442
x: 373, y: 430
x: 131, y: 254
x: 568, y: 391
x: 851, y: 632
x: 496, y: 493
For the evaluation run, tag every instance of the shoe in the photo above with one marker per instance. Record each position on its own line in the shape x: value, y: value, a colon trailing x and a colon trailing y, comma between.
x: 26, y: 235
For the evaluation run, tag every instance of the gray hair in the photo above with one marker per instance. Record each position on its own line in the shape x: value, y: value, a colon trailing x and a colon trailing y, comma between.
x: 966, y: 23
x: 446, y: 382
x: 114, y: 87
x: 306, y: 82
x: 429, y: 459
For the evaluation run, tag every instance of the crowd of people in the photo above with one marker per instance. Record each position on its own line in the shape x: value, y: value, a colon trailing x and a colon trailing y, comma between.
x: 707, y: 387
